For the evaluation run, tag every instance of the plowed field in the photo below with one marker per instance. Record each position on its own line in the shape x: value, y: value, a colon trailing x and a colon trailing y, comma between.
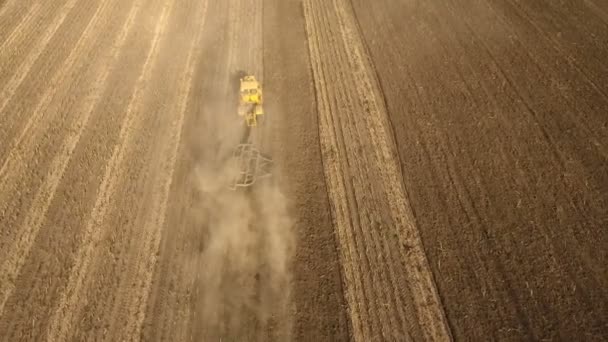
x: 440, y: 171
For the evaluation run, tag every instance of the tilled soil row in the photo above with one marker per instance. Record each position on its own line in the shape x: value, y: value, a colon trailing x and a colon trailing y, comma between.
x: 377, y: 235
x: 501, y: 135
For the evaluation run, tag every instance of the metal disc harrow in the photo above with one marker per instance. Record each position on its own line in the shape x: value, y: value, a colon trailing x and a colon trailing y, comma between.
x: 250, y: 166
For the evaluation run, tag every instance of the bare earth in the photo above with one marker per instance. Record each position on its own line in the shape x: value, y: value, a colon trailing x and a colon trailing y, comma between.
x: 440, y: 171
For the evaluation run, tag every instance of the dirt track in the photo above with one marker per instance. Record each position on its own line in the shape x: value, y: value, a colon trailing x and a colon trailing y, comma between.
x: 440, y: 170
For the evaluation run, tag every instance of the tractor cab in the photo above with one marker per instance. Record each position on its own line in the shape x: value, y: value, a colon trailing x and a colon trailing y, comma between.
x: 251, y: 91
x: 250, y: 102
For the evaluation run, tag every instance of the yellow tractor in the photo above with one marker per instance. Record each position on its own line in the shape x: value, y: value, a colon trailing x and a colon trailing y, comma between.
x: 250, y: 100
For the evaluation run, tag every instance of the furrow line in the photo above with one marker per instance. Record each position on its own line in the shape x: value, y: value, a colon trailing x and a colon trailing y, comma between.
x: 387, y: 257
x: 344, y: 103
x: 156, y: 221
x: 19, y: 30
x: 540, y: 66
x: 429, y: 310
x: 336, y: 188
x: 37, y: 212
x: 556, y: 46
x: 391, y: 174
x: 371, y: 270
x: 170, y: 309
x: 581, y: 22
x: 364, y: 189
x: 11, y: 87
x: 600, y: 12
x: 5, y: 14
x: 61, y: 322
x: 341, y: 107
x: 14, y: 164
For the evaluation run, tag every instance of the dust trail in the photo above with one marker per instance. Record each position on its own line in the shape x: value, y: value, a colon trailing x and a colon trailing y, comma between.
x: 244, y: 265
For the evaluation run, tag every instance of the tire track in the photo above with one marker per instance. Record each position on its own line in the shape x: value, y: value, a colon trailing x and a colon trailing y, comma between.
x: 62, y: 321
x: 253, y: 43
x: 429, y: 310
x: 9, y: 171
x: 11, y: 86
x: 155, y: 222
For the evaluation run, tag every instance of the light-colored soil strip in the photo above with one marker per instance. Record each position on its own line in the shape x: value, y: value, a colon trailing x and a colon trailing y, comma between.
x: 7, y: 5
x: 360, y: 270
x: 332, y: 173
x: 11, y: 87
x: 340, y: 160
x: 61, y: 323
x: 428, y: 304
x: 10, y: 10
x: 18, y: 30
x: 160, y: 196
x: 13, y: 168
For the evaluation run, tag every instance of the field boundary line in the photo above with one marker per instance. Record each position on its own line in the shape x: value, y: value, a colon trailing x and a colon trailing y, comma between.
x: 62, y: 319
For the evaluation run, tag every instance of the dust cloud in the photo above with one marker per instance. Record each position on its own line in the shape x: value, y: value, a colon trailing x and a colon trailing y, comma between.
x: 243, y: 288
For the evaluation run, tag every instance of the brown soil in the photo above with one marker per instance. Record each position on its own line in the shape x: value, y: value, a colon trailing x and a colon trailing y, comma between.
x: 440, y: 171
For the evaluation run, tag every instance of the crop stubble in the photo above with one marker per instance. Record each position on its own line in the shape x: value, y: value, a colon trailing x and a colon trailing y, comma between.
x: 373, y: 222
x: 498, y: 113
x: 499, y: 118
